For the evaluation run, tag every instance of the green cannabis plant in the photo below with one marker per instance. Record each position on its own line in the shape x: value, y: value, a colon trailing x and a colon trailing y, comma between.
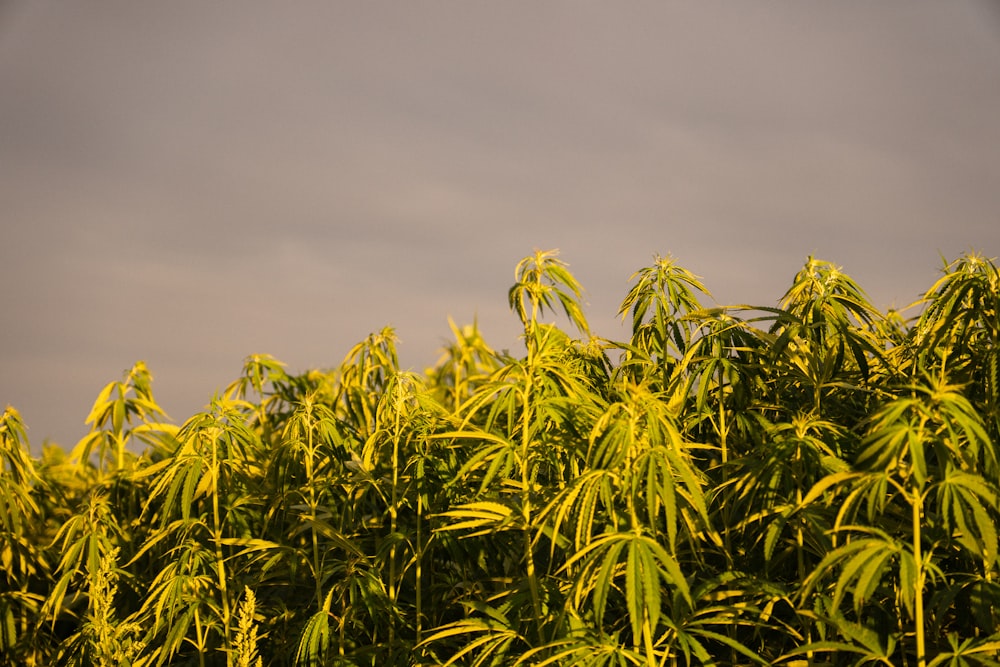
x: 811, y: 481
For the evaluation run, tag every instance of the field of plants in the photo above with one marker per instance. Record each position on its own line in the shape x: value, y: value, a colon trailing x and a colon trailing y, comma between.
x: 812, y: 483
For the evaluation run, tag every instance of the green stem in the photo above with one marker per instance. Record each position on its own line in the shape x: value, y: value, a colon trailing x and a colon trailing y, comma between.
x: 647, y: 634
x: 421, y: 547
x: 220, y: 562
x: 801, y: 563
x: 529, y: 556
x: 918, y: 584
x: 198, y: 630
x: 317, y: 576
x: 393, y: 526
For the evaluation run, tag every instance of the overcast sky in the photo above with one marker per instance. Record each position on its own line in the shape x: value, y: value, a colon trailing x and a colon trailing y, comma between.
x: 188, y: 183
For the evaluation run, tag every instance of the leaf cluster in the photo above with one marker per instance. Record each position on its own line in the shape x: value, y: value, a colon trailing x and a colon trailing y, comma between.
x: 813, y: 482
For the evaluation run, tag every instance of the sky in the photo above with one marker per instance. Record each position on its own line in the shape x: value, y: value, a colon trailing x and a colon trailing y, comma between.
x: 188, y: 183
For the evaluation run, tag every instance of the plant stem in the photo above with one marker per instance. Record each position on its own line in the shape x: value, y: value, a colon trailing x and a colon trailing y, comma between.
x: 220, y: 562
x: 918, y: 584
x: 529, y: 556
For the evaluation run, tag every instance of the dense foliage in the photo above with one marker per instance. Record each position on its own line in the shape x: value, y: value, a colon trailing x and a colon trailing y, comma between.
x: 815, y: 482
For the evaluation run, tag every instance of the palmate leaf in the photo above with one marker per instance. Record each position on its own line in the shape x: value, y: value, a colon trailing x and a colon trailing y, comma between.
x: 642, y: 589
x: 314, y: 643
x: 488, y: 639
x: 872, y: 646
x: 970, y: 651
x: 668, y: 289
x: 178, y: 480
x: 186, y: 581
x: 172, y: 535
x: 250, y: 546
x: 647, y: 563
x: 962, y: 428
x: 179, y: 615
x: 829, y: 483
x: 159, y: 436
x: 807, y: 523
x: 102, y: 405
x: 822, y: 293
x: 333, y: 538
x: 596, y: 576
x: 85, y: 539
x: 689, y: 643
x: 838, y: 649
x: 13, y: 605
x: 638, y: 420
x: 966, y: 501
x: 960, y: 304
x: 119, y: 404
x: 718, y: 365
x: 591, y: 496
x: 925, y: 433
x: 482, y: 517
x: 637, y: 439
x: 600, y: 651
x: 541, y: 280
x: 176, y: 636
x: 673, y: 491
x: 84, y: 448
x: 499, y: 456
x: 862, y: 563
x: 16, y: 465
x: 603, y: 584
x: 258, y: 370
x: 17, y: 508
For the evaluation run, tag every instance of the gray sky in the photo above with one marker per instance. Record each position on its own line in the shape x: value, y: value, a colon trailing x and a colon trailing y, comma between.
x: 188, y: 183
